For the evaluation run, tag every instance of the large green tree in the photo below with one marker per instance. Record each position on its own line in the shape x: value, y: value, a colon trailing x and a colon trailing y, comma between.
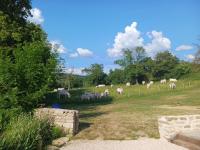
x: 95, y: 74
x: 165, y: 62
x: 27, y: 64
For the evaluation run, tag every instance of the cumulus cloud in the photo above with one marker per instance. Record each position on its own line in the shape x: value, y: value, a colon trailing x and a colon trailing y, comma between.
x: 58, y: 46
x: 82, y: 52
x: 190, y: 57
x: 130, y: 39
x: 36, y: 17
x: 184, y: 47
x: 158, y: 43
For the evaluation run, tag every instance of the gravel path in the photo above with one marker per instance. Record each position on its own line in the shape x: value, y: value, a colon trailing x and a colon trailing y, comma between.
x: 143, y: 144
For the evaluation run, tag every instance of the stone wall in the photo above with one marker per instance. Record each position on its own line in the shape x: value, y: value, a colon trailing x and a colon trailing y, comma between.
x: 68, y: 120
x: 169, y: 126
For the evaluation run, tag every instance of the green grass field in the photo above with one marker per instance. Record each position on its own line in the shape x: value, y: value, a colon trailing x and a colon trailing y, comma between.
x: 134, y: 114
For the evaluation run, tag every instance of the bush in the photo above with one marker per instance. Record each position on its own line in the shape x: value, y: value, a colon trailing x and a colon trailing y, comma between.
x: 57, y: 132
x: 6, y: 115
x: 26, y: 133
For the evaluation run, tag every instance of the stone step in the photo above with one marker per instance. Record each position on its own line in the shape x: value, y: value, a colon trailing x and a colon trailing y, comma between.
x: 185, y: 144
x: 188, y: 139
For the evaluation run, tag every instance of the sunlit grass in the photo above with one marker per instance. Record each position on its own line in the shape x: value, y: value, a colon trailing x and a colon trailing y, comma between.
x: 134, y: 113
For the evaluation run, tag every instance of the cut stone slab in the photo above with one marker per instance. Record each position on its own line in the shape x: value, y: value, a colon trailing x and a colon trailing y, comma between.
x: 188, y: 139
x: 60, y: 141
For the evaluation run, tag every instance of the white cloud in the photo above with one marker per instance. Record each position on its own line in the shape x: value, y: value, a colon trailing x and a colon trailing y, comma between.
x: 158, y: 43
x: 36, y: 17
x: 82, y: 52
x: 184, y: 47
x: 76, y: 71
x: 190, y: 57
x: 58, y: 47
x: 73, y: 55
x: 130, y: 38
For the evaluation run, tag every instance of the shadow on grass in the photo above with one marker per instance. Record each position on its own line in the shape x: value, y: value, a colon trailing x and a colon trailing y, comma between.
x: 84, y: 125
x: 87, y: 108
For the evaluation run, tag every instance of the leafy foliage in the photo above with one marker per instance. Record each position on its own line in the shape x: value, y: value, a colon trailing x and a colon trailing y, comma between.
x: 27, y: 133
x: 95, y: 74
x: 165, y: 62
x: 27, y: 65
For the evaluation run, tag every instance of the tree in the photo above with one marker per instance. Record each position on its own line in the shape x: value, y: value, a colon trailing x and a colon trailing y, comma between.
x: 95, y: 74
x: 117, y: 76
x: 17, y: 10
x: 27, y: 64
x: 131, y: 64
x: 126, y: 60
x: 139, y: 54
x: 165, y: 62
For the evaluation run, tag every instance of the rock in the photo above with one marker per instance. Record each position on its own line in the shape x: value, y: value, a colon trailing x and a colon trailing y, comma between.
x: 51, y: 147
x: 60, y: 141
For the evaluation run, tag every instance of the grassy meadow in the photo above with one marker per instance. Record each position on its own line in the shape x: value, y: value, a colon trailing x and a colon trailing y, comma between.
x: 134, y: 114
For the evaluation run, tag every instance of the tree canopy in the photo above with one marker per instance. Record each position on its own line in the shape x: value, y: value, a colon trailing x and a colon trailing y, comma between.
x: 27, y: 64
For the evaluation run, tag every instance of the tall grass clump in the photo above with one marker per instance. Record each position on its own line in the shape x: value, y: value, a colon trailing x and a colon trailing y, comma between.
x: 26, y: 132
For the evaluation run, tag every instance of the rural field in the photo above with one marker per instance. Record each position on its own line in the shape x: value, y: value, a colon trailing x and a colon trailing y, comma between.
x: 134, y: 114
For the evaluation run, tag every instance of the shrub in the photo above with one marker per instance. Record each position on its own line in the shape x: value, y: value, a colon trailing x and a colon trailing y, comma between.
x: 57, y: 132
x: 26, y: 133
x: 6, y: 115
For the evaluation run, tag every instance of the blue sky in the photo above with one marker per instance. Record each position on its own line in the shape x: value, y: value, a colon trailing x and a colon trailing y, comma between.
x: 96, y: 31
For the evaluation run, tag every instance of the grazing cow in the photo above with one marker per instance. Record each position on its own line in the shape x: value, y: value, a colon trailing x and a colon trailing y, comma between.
x: 163, y: 81
x: 97, y: 95
x: 173, y: 80
x: 85, y: 96
x: 148, y: 85
x: 63, y: 92
x: 59, y: 89
x: 143, y: 82
x: 106, y: 91
x: 172, y: 85
x: 151, y: 82
x: 88, y: 96
x: 128, y: 84
x: 120, y: 90
x: 100, y: 85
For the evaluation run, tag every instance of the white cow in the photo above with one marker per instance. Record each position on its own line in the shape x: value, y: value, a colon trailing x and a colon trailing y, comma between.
x: 106, y: 91
x: 173, y: 80
x: 88, y: 96
x: 120, y: 90
x: 163, y: 81
x: 148, y: 85
x: 143, y: 82
x: 63, y: 92
x: 100, y: 85
x: 128, y: 84
x: 111, y: 85
x: 172, y: 85
x: 151, y: 82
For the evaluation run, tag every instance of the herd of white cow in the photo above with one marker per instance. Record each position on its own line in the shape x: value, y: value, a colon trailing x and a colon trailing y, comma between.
x: 119, y: 90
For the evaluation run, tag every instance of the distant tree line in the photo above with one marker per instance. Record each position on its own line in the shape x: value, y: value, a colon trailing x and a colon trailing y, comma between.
x: 136, y: 66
